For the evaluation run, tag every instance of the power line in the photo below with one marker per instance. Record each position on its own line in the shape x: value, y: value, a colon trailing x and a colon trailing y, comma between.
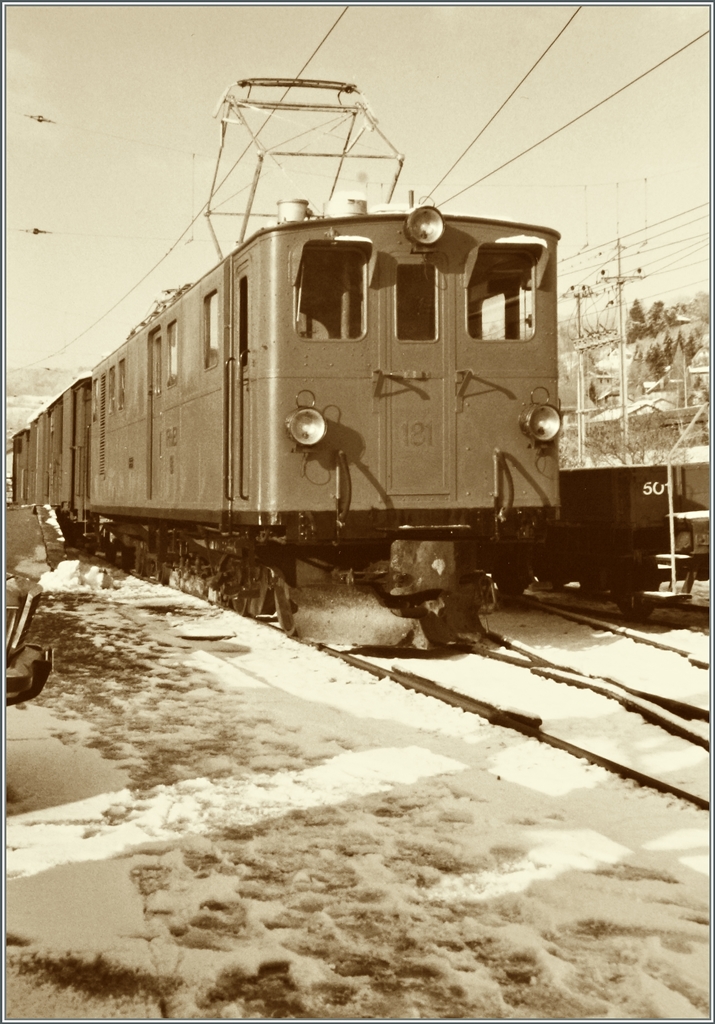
x: 638, y: 231
x: 578, y: 118
x: 170, y: 250
x: 514, y: 90
x: 690, y: 284
x: 683, y: 253
x: 109, y: 135
x: 667, y: 270
x: 641, y: 252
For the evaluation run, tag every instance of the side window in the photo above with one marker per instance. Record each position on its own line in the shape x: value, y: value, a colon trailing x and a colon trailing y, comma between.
x: 243, y: 321
x: 121, y: 383
x: 330, y: 293
x: 416, y: 302
x: 172, y: 371
x: 112, y: 390
x: 155, y: 348
x: 95, y: 399
x: 211, y: 330
x: 500, y: 296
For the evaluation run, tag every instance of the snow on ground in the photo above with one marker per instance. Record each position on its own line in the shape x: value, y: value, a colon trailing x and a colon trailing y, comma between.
x: 113, y: 823
x: 593, y: 651
x: 297, y: 838
x: 51, y: 519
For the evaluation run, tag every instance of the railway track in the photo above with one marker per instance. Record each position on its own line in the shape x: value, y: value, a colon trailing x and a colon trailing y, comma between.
x: 569, y: 613
x: 532, y: 725
x: 685, y: 721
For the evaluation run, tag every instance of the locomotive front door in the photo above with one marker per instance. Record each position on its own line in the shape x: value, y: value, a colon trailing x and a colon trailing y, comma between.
x: 409, y: 389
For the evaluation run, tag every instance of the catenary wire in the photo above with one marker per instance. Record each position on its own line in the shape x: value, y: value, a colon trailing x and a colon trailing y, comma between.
x: 638, y: 231
x: 595, y: 266
x: 512, y: 93
x: 64, y: 348
x: 578, y: 117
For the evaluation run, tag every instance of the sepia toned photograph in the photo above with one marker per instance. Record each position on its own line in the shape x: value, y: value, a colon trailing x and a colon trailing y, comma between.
x: 357, y: 461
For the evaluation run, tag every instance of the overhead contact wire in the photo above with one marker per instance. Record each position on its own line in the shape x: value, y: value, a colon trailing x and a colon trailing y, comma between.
x: 184, y: 232
x: 511, y: 94
x: 578, y: 118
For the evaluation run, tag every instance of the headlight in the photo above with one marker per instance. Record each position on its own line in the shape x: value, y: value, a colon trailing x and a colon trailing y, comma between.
x: 424, y: 225
x: 306, y: 426
x: 541, y: 422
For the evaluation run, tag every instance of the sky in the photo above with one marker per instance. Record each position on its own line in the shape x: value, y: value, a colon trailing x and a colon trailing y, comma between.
x: 114, y: 177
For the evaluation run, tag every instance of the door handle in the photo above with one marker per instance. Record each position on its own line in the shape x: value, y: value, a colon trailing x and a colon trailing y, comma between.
x: 462, y: 380
x: 378, y: 375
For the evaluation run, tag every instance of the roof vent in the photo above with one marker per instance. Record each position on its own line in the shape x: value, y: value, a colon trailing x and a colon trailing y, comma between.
x: 346, y: 204
x: 292, y: 210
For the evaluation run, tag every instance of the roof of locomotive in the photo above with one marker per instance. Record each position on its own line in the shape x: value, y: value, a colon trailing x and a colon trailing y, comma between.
x: 393, y: 212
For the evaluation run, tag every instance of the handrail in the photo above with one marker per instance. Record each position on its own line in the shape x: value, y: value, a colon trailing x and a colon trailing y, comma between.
x: 671, y: 511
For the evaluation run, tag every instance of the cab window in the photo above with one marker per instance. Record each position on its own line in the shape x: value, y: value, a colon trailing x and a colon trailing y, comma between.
x: 500, y: 296
x: 416, y: 302
x: 330, y: 293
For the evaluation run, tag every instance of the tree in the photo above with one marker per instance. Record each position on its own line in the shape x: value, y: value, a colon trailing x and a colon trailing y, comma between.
x: 655, y: 319
x: 690, y: 347
x: 668, y: 349
x: 699, y: 307
x: 635, y: 328
x: 655, y: 359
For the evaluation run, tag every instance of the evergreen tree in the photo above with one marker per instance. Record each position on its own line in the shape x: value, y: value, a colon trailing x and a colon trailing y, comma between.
x: 655, y: 319
x: 656, y: 361
x: 690, y: 348
x: 668, y: 349
x: 636, y: 323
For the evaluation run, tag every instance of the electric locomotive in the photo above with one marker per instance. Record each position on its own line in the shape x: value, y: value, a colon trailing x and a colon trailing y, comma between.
x: 352, y: 419
x: 350, y: 412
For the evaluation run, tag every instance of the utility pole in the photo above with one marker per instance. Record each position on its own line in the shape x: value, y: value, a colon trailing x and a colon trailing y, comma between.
x: 620, y: 280
x: 583, y: 343
x: 580, y: 346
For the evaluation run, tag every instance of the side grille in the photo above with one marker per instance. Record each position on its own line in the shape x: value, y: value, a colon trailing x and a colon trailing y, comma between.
x: 102, y: 423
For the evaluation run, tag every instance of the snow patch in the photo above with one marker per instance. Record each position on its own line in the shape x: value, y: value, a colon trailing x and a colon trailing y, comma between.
x: 110, y: 824
x: 682, y: 839
x: 700, y: 863
x: 546, y: 769
x: 674, y: 760
x: 51, y: 520
x: 68, y: 578
x: 230, y: 677
x: 560, y: 851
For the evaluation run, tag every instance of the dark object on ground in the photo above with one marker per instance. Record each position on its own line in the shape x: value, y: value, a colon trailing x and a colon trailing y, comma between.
x: 28, y: 666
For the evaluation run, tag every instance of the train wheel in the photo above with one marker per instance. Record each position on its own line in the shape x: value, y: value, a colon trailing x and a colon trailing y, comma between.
x: 634, y: 607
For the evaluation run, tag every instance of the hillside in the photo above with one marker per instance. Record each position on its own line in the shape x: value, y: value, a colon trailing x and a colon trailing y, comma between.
x: 28, y: 390
x: 654, y: 337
